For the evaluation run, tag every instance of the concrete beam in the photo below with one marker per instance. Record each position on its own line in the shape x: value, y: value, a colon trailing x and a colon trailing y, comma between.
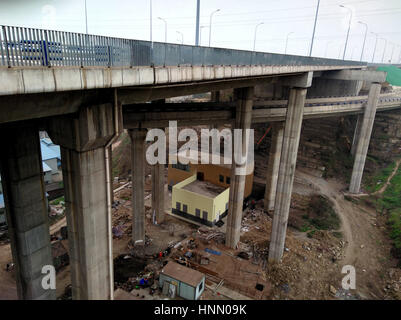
x: 301, y: 81
x: 244, y: 99
x: 273, y: 165
x: 364, y: 138
x: 138, y: 137
x: 288, y: 160
x: 362, y: 75
x: 26, y: 209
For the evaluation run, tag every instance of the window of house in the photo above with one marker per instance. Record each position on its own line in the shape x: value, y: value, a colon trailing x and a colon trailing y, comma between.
x: 180, y: 166
x: 178, y: 206
x: 185, y: 208
x: 205, y: 215
x: 198, y: 213
x: 200, y: 286
x: 221, y: 178
x: 228, y: 180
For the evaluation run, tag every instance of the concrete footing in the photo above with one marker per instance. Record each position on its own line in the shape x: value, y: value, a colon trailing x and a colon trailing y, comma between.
x: 26, y: 207
x: 138, y: 137
x: 286, y: 172
x: 273, y: 165
x: 244, y: 98
x: 364, y: 138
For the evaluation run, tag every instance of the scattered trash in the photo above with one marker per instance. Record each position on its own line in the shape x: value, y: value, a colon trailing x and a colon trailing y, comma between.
x: 217, y: 253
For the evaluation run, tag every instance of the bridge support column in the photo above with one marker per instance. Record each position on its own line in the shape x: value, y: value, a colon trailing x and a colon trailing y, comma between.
x: 357, y: 133
x: 85, y: 141
x: 288, y: 160
x: 26, y: 209
x: 158, y: 183
x: 244, y: 98
x: 364, y: 138
x: 273, y: 165
x: 138, y: 137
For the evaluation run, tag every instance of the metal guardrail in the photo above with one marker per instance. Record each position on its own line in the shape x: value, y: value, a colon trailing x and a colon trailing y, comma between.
x: 36, y: 47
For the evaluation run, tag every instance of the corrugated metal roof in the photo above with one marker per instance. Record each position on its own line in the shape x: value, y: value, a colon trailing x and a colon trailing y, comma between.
x: 49, y: 151
x: 183, y: 274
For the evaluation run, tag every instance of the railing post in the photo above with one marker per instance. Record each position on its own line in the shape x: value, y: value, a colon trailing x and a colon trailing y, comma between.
x: 46, y: 58
x: 81, y: 49
x: 6, y: 46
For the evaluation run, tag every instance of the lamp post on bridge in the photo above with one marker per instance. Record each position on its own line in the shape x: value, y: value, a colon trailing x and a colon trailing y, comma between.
x: 374, y: 50
x: 385, y: 47
x: 151, y: 23
x: 182, y: 37
x: 314, y: 28
x: 165, y: 28
x: 254, y: 39
x: 349, y: 28
x: 210, y: 26
x: 86, y: 18
x: 286, y: 42
x: 364, y: 41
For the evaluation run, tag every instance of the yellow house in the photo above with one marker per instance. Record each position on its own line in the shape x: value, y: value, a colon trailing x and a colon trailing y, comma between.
x: 200, y: 192
x: 200, y: 201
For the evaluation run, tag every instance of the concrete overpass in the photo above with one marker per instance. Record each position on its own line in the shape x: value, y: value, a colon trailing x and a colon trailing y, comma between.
x: 84, y: 89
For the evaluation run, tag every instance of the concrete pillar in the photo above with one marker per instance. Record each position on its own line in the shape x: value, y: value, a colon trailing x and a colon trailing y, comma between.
x: 138, y: 137
x: 158, y: 182
x: 273, y: 165
x: 364, y: 138
x: 85, y: 139
x: 110, y: 162
x: 244, y: 98
x: 292, y: 133
x: 357, y: 133
x: 26, y: 209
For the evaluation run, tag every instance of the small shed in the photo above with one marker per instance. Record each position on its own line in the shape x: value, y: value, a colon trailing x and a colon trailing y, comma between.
x: 184, y: 282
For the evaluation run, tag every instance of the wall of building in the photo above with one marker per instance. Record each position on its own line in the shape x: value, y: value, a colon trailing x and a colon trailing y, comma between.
x: 221, y: 204
x: 192, y: 200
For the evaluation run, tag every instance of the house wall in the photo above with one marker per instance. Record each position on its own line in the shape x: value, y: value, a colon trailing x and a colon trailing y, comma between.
x: 220, y: 204
x: 192, y: 200
x: 48, y: 177
x: 183, y: 290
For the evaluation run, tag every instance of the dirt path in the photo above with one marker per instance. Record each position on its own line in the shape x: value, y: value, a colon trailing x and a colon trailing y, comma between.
x: 367, y: 246
x: 385, y: 186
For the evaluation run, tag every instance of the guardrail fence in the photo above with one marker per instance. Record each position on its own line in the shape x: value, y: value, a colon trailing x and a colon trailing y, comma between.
x: 36, y: 47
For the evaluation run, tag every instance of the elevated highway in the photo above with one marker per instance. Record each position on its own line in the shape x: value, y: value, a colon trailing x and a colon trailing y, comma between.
x: 84, y: 89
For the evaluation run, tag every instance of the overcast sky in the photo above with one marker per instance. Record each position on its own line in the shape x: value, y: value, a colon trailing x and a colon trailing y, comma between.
x: 233, y: 26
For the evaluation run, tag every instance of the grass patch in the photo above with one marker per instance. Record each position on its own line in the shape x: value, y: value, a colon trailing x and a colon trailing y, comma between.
x: 374, y: 183
x: 390, y: 202
x: 57, y: 201
x: 321, y: 214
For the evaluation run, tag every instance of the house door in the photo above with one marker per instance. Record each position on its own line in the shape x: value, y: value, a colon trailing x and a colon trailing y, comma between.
x: 200, y: 176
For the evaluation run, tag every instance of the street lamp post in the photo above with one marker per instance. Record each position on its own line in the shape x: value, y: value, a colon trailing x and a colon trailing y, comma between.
x: 374, y: 50
x: 182, y: 37
x: 151, y: 22
x: 165, y: 28
x: 254, y: 39
x: 197, y: 40
x: 385, y: 47
x: 86, y: 17
x: 349, y: 28
x: 314, y: 28
x: 286, y: 42
x: 210, y: 25
x: 364, y: 41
